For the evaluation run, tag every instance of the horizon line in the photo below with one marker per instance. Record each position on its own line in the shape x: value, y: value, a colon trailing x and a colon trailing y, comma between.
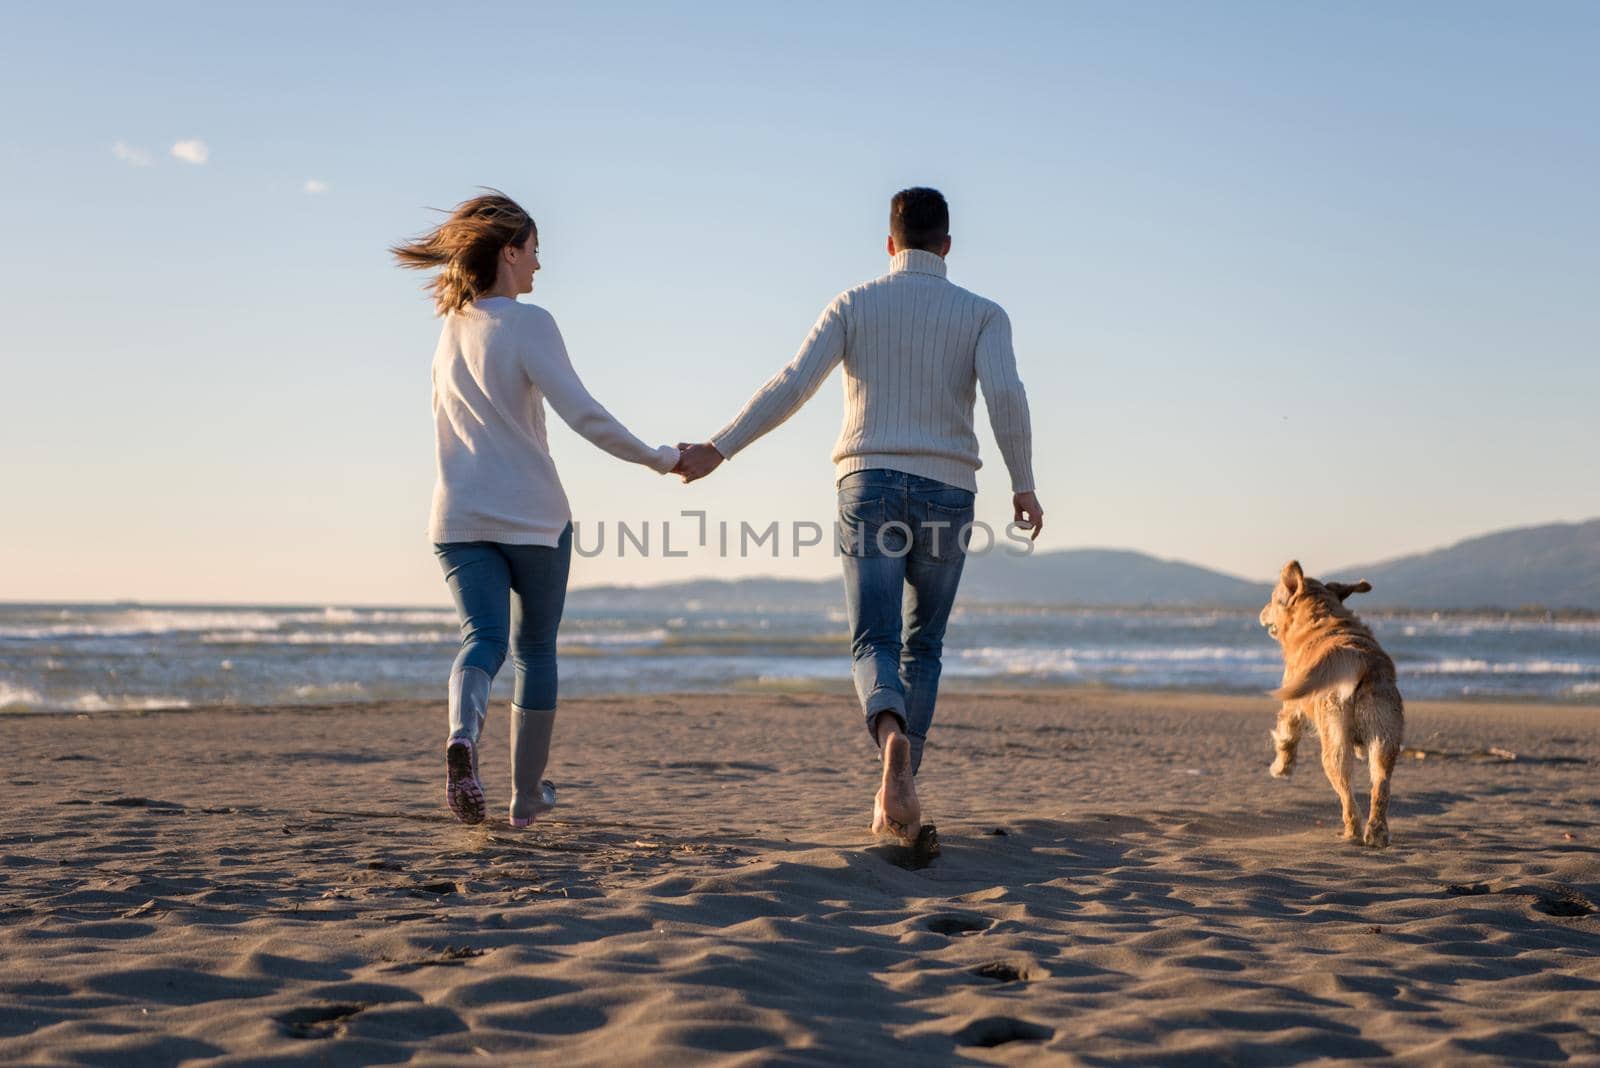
x: 157, y: 603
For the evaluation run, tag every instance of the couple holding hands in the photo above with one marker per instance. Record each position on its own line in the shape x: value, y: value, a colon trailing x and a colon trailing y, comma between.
x: 915, y: 349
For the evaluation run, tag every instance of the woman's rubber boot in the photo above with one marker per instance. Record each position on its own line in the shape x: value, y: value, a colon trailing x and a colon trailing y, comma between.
x: 469, y: 708
x: 531, y: 793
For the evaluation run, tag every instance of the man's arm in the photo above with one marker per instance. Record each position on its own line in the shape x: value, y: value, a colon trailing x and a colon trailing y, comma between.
x: 1006, y: 400
x: 790, y: 388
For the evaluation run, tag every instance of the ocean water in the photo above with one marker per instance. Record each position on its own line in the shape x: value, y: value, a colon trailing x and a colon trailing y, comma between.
x: 99, y: 657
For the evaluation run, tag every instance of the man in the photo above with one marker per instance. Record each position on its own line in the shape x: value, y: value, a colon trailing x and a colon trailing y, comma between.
x: 914, y: 349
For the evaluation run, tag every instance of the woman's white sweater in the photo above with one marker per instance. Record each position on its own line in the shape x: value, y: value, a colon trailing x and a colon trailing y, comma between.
x: 497, y: 362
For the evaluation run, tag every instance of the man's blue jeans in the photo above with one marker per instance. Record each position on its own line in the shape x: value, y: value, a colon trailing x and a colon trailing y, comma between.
x: 903, y: 540
x: 483, y: 576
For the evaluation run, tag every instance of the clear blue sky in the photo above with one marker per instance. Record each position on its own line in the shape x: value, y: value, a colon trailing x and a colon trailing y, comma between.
x: 1287, y: 279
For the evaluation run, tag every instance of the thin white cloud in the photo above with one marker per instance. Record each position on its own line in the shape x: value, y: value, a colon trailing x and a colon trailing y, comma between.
x: 193, y: 151
x: 315, y: 186
x: 132, y: 155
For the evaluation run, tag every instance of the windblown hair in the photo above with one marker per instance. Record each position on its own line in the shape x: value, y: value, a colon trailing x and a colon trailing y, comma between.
x: 465, y: 248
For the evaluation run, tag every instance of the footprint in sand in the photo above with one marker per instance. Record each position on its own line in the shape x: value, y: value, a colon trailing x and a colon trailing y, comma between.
x: 1000, y: 971
x: 952, y: 923
x: 1566, y: 905
x: 991, y: 1031
x: 917, y: 855
x: 318, y: 1021
x: 448, y: 957
x: 1555, y: 899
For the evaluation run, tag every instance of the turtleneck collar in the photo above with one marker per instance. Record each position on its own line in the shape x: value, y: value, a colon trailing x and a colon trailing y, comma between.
x: 917, y: 261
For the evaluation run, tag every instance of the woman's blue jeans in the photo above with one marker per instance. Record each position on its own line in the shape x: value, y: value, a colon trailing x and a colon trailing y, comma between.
x: 903, y: 540
x: 510, y: 596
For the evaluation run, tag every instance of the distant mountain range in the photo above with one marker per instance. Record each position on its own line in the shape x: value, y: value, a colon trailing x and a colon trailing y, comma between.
x: 1102, y: 577
x: 1556, y: 566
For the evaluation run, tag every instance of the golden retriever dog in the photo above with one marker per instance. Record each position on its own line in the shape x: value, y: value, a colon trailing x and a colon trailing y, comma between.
x: 1339, y: 679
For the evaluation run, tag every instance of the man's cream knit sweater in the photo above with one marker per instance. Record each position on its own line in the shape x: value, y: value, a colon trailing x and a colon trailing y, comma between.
x: 915, y: 348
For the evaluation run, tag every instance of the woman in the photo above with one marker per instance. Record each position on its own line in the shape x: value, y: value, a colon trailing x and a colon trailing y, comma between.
x: 500, y: 524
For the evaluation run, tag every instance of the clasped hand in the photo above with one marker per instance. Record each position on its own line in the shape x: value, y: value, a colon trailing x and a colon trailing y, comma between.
x: 696, y: 461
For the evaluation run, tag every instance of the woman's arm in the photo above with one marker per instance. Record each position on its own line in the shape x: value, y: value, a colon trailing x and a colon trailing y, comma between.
x: 551, y: 370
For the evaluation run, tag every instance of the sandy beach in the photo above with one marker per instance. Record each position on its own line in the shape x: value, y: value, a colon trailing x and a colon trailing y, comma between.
x: 1120, y: 882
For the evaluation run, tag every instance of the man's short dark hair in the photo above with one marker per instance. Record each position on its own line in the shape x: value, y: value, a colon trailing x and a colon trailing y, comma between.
x: 919, y: 218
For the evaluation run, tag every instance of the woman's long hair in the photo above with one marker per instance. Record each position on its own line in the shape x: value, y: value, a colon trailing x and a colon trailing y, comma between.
x: 465, y: 248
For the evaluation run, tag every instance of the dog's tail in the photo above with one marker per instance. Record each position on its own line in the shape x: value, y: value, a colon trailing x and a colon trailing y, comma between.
x: 1341, y: 669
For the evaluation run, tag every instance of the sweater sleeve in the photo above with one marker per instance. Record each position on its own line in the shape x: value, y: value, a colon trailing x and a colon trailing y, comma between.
x: 551, y: 371
x: 791, y: 387
x: 1005, y: 399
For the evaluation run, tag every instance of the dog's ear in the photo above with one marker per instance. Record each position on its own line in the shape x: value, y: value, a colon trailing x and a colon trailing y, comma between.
x: 1343, y: 590
x: 1292, y: 578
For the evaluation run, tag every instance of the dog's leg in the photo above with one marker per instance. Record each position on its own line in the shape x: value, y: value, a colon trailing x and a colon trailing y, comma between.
x: 1337, y: 763
x: 1381, y: 757
x: 1285, y: 737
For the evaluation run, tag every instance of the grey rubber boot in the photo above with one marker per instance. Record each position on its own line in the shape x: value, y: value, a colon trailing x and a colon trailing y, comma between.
x: 469, y: 703
x: 469, y: 707
x: 531, y: 793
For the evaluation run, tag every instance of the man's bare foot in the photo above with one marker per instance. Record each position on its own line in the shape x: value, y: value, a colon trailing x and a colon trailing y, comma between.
x: 895, y: 811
